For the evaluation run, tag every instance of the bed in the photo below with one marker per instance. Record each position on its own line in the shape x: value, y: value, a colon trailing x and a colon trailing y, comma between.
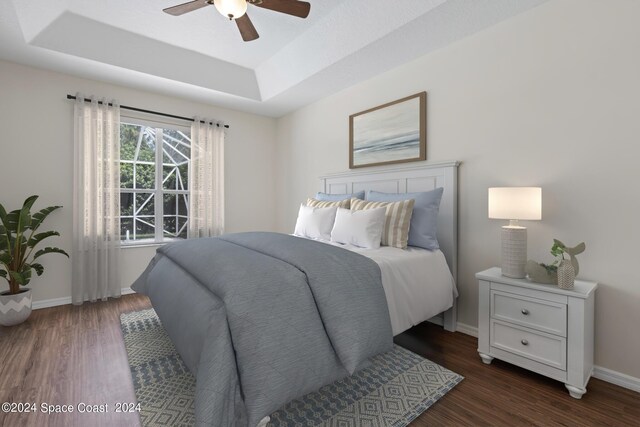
x: 263, y: 318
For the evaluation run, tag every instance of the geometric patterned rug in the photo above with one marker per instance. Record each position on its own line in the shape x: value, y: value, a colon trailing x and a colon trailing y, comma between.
x: 397, y: 387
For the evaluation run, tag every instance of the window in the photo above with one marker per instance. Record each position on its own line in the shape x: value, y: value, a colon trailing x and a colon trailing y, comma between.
x: 154, y: 183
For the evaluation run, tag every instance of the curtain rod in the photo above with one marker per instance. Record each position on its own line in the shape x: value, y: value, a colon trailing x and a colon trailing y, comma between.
x: 157, y: 113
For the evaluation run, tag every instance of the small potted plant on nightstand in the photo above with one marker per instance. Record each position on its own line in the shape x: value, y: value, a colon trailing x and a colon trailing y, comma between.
x: 562, y: 272
x: 18, y: 240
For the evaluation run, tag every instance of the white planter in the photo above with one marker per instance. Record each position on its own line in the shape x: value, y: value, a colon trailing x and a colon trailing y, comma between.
x: 15, y: 309
x: 566, y: 275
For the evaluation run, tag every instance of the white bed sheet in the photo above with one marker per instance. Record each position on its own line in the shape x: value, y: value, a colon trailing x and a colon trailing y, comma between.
x: 417, y: 282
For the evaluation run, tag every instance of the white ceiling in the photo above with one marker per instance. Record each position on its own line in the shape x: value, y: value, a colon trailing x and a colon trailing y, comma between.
x: 201, y: 56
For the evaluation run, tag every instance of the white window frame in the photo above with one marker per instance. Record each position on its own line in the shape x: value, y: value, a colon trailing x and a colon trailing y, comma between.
x: 158, y: 192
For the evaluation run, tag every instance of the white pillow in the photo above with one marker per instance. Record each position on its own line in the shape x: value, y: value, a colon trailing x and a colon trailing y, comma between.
x: 315, y: 223
x: 359, y: 228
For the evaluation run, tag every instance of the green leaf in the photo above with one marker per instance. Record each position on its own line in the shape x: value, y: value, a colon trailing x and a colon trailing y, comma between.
x: 6, y: 258
x: 3, y: 214
x: 38, y: 268
x: 40, y: 237
x: 3, y: 274
x: 40, y: 216
x: 4, y: 239
x: 5, y: 236
x: 18, y: 277
x: 24, y: 220
x: 26, y: 270
x: 49, y: 251
x: 26, y: 275
x: 13, y: 218
x: 29, y: 202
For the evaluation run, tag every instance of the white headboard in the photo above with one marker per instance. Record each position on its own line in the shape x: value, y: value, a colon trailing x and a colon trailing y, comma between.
x: 423, y: 177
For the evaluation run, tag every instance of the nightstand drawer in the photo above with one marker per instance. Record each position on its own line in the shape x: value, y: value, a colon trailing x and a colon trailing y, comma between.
x: 546, y: 316
x: 544, y: 348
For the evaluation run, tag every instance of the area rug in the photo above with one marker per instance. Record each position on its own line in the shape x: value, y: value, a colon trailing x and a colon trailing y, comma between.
x: 393, y: 391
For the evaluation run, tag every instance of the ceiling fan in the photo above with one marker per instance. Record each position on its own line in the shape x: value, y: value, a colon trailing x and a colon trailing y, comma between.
x: 236, y: 10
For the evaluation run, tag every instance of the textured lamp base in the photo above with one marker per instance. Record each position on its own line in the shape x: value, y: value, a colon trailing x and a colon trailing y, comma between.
x: 514, y: 251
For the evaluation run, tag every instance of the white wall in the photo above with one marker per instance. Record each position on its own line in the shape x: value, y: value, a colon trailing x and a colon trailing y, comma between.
x: 548, y: 98
x: 36, y: 157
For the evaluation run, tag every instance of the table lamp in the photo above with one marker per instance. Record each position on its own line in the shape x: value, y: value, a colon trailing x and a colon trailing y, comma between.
x: 515, y: 203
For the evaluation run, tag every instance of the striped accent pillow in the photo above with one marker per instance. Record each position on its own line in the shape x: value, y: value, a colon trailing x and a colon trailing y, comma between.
x: 397, y: 220
x: 328, y: 204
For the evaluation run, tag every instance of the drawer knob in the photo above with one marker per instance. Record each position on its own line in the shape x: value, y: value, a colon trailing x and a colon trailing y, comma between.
x: 524, y: 342
x: 525, y: 311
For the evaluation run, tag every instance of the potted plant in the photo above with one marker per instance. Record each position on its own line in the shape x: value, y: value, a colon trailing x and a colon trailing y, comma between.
x: 558, y: 251
x: 18, y: 240
x: 562, y: 271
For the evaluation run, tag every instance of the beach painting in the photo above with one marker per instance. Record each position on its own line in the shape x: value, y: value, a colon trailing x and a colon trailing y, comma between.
x: 390, y: 133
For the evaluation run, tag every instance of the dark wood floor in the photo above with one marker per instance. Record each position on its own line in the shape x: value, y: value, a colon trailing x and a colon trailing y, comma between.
x: 67, y: 355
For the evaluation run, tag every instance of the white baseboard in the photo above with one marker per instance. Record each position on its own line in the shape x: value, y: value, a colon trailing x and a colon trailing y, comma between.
x: 467, y: 329
x: 617, y: 378
x: 46, y: 303
x: 604, y: 374
x: 54, y: 302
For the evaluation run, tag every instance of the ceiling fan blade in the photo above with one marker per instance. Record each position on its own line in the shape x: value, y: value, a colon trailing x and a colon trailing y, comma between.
x: 185, y: 7
x: 247, y: 30
x: 290, y: 7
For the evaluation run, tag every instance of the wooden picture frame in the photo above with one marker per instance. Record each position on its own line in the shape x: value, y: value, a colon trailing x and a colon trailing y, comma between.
x: 395, y: 132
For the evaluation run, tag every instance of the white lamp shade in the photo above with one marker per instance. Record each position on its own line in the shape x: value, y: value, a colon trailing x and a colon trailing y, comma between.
x: 232, y: 9
x: 517, y: 203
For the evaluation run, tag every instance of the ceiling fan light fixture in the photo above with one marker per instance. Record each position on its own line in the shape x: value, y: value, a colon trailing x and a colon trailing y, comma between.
x: 232, y: 9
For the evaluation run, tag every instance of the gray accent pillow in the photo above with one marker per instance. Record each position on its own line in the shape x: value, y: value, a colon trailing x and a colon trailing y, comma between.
x: 423, y: 231
x: 326, y: 197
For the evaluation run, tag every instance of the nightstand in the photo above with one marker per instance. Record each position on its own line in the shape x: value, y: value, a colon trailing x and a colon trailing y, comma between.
x: 542, y: 328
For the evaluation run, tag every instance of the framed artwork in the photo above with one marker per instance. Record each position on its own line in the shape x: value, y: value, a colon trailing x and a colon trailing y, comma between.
x: 395, y: 132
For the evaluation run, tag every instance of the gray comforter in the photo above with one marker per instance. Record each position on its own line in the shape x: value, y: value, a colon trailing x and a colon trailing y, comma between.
x: 264, y: 318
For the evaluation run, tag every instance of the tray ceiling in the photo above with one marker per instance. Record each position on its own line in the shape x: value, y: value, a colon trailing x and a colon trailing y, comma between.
x: 201, y: 56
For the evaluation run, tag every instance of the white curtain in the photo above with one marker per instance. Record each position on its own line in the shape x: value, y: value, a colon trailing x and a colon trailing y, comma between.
x: 206, y: 180
x: 96, y: 201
